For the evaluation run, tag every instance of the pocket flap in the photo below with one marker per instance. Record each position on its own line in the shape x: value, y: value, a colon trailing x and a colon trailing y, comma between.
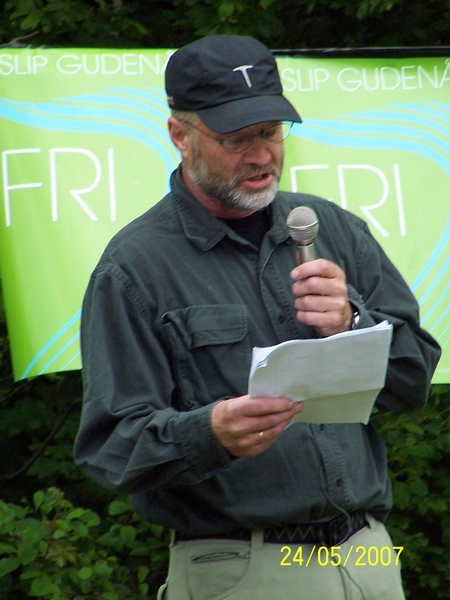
x: 210, y: 324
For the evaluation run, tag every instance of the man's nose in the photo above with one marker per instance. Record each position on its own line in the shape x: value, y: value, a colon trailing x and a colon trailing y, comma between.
x: 258, y: 152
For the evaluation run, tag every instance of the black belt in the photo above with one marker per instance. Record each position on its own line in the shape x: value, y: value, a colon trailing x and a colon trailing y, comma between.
x: 326, y: 533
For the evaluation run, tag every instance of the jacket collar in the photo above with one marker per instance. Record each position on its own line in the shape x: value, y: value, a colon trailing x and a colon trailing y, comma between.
x: 205, y: 230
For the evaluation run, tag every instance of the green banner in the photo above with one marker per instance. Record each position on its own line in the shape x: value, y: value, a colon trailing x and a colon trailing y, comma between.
x: 85, y: 149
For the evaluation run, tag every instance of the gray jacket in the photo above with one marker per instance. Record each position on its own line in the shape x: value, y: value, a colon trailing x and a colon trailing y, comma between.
x: 170, y: 316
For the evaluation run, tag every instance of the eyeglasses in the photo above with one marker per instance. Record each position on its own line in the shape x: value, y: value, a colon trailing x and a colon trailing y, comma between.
x: 240, y: 142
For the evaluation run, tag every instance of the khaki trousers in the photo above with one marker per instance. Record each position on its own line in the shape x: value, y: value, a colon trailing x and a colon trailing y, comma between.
x: 366, y: 567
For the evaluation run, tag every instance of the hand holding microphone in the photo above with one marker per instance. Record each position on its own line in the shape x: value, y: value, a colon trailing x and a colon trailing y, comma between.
x: 320, y: 288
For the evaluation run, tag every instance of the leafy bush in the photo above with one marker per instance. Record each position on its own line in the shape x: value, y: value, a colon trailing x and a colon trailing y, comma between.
x: 51, y: 548
x: 418, y: 448
x: 55, y: 551
x: 173, y: 23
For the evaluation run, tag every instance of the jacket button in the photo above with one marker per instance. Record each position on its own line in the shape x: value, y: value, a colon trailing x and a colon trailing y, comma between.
x: 281, y: 318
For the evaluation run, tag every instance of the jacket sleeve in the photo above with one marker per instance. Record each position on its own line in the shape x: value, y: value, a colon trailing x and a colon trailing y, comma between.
x: 380, y: 293
x: 131, y: 437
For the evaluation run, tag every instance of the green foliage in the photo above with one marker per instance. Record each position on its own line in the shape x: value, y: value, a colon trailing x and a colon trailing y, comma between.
x: 53, y: 546
x: 71, y: 22
x: 54, y: 551
x: 50, y: 547
x: 418, y: 449
x: 172, y: 23
x: 83, y: 542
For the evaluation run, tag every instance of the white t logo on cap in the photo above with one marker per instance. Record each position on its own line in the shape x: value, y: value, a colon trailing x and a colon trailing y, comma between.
x: 243, y: 70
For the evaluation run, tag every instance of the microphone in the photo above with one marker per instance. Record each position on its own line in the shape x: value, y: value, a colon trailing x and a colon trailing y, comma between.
x: 303, y: 226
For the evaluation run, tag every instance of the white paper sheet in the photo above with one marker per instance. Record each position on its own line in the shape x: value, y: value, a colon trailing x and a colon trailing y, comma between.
x: 337, y: 378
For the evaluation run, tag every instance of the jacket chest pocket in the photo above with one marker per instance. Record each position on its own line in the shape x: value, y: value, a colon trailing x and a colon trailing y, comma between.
x: 210, y: 352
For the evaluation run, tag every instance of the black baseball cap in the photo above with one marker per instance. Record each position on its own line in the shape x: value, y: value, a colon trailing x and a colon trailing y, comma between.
x: 230, y: 81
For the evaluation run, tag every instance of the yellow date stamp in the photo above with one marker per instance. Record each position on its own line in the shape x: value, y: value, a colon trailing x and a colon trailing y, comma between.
x: 336, y: 556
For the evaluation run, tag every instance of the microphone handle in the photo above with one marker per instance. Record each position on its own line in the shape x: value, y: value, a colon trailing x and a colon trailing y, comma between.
x: 306, y: 252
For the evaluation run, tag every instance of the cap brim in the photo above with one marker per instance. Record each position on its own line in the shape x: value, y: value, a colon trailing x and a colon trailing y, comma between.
x: 238, y: 114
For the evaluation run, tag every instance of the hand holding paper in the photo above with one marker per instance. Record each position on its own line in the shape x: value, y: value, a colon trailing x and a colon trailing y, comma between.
x: 338, y: 378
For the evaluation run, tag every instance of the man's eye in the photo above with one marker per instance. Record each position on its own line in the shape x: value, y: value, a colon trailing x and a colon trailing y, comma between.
x: 272, y: 132
x: 234, y: 141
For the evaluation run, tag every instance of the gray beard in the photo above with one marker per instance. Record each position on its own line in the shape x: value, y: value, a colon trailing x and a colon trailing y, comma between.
x: 224, y: 191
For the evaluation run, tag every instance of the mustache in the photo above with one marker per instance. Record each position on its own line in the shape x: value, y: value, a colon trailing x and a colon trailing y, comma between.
x: 251, y: 171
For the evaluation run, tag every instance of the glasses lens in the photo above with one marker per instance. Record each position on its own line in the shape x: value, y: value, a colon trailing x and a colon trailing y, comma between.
x: 286, y: 128
x: 277, y: 133
x: 274, y: 134
x: 237, y: 143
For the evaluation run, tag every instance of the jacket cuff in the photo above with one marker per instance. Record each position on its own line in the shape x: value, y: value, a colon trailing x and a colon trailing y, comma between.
x: 203, y: 449
x: 357, y: 302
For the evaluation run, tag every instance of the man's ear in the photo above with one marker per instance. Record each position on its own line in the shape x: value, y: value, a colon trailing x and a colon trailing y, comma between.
x: 178, y: 135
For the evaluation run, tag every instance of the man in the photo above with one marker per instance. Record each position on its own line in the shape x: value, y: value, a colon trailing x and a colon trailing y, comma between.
x: 172, y: 310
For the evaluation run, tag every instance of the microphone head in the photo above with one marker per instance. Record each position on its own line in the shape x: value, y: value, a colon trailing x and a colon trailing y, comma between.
x: 303, y: 225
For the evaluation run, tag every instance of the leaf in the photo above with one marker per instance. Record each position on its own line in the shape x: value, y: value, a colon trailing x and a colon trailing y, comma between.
x: 30, y: 574
x: 118, y: 507
x: 110, y: 539
x: 363, y: 10
x: 8, y: 565
x: 75, y: 513
x: 43, y: 586
x: 22, y: 7
x: 142, y: 574
x: 102, y: 570
x: 402, y: 495
x: 27, y: 552
x: 7, y: 548
x: 85, y: 573
x: 32, y: 20
x: 143, y: 589
x: 226, y: 9
x: 109, y: 596
x: 412, y: 427
x: 89, y: 517
x: 157, y: 530
x: 128, y: 534
x: 38, y: 498
x: 418, y: 487
x: 443, y: 443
